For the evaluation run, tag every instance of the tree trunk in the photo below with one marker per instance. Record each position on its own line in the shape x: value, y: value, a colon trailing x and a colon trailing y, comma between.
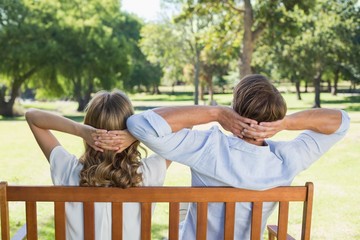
x: 306, y: 86
x: 173, y: 89
x: 328, y: 86
x: 88, y: 93
x: 297, y: 86
x: 196, y: 76
x: 317, y: 80
x: 208, y: 78
x: 247, y: 42
x: 7, y: 108
x: 156, y: 89
x: 334, y: 90
x: 78, y: 94
x: 202, y: 92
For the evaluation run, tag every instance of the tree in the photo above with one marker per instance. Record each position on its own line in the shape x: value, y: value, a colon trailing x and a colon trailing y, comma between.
x: 316, y: 47
x: 94, y: 48
x: 252, y: 19
x: 163, y: 45
x: 74, y: 46
x: 25, y: 47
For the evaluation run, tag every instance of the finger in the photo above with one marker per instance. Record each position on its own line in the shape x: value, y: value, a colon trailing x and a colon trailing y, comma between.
x: 240, y: 135
x: 261, y: 128
x: 107, y: 137
x: 106, y: 147
x: 267, y: 124
x: 118, y: 132
x: 97, y: 148
x: 247, y: 120
x: 100, y: 131
x: 109, y: 141
x: 252, y: 134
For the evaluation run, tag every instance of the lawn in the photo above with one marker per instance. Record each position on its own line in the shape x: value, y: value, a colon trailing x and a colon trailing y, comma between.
x: 335, y: 175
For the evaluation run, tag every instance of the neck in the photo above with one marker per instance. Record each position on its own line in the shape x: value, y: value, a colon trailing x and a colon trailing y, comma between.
x: 257, y: 143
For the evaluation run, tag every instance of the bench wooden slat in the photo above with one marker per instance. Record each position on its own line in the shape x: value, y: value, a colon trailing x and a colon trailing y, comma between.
x: 283, y: 220
x: 174, y: 215
x: 201, y: 222
x: 59, y: 216
x: 229, y: 220
x: 31, y: 220
x: 307, y: 212
x: 146, y: 221
x: 117, y: 220
x: 273, y: 230
x: 89, y: 221
x: 146, y: 194
x: 256, y: 219
x: 4, y: 208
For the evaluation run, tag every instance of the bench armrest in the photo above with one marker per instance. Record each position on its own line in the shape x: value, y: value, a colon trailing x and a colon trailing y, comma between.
x: 273, y: 229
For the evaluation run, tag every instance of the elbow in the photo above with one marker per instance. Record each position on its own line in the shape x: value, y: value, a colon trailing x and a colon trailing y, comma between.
x: 29, y: 114
x: 133, y: 127
x: 139, y: 127
x: 338, y: 121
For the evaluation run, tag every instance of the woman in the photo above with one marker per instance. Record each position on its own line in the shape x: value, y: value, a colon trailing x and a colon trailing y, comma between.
x: 119, y: 166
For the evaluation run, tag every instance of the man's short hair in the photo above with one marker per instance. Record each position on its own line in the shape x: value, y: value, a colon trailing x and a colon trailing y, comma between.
x: 256, y: 98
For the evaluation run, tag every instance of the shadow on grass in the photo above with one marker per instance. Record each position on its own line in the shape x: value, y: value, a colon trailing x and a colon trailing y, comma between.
x: 144, y: 108
x: 11, y: 119
x: 349, y: 99
x: 75, y: 118
x: 165, y: 97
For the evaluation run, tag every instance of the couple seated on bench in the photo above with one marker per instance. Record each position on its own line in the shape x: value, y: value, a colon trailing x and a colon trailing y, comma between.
x: 246, y: 159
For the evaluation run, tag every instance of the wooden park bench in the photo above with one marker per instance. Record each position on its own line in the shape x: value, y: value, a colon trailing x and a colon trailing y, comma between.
x: 147, y: 195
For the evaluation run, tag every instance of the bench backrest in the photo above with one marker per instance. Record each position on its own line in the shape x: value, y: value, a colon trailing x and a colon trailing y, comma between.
x: 147, y: 195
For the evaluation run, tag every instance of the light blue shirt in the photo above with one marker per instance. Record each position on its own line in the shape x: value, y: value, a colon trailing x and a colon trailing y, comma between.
x: 217, y: 159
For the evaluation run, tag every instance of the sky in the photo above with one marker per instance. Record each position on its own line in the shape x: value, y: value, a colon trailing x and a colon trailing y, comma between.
x: 146, y: 9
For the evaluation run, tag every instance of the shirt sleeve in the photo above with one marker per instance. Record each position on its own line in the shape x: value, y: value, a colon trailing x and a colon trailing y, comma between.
x: 154, y: 170
x: 309, y: 146
x: 62, y: 166
x: 185, y: 146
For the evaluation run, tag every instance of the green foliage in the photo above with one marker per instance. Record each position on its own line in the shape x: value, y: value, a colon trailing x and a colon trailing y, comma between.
x: 69, y: 48
x: 163, y: 45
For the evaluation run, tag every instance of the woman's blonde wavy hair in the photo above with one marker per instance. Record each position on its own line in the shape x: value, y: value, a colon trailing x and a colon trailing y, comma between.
x: 110, y: 110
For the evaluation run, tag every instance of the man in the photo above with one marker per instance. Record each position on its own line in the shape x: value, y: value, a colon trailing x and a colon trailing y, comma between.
x: 245, y: 160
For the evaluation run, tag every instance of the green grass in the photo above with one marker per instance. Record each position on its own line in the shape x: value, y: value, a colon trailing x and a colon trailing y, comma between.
x: 336, y: 175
